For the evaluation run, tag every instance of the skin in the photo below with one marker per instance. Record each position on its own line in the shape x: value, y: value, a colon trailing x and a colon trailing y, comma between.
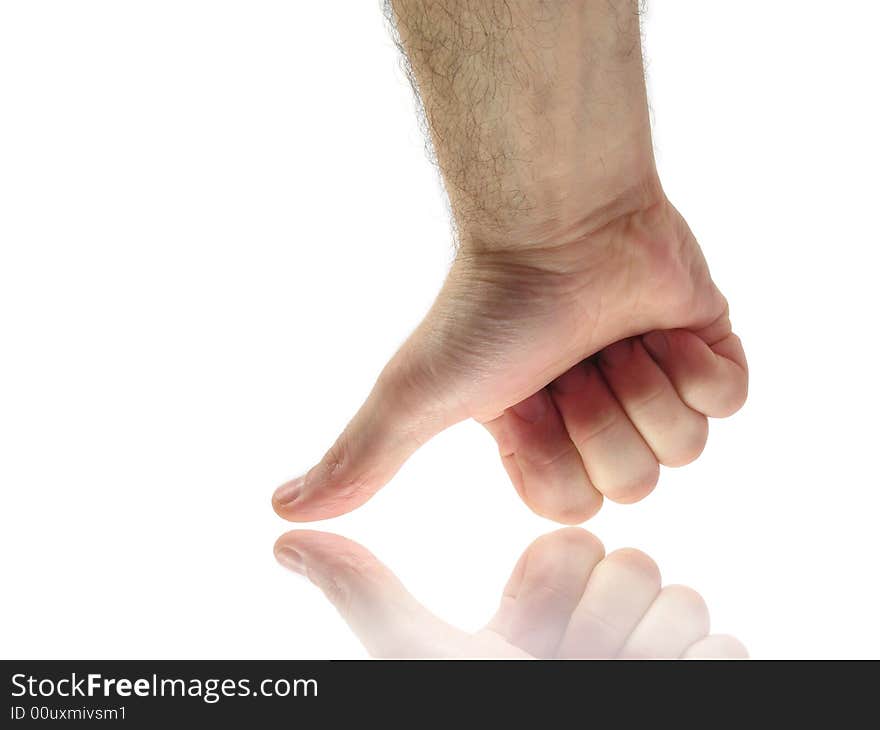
x: 565, y: 599
x: 579, y: 322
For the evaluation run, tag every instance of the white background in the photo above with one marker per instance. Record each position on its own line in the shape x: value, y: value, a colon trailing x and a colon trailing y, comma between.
x: 217, y: 222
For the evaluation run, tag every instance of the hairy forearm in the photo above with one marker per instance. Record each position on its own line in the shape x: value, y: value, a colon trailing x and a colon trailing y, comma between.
x: 536, y: 111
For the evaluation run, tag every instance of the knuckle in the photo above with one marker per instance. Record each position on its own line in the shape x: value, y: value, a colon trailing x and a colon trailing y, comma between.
x: 635, y: 562
x: 689, y: 444
x: 576, y: 511
x: 634, y: 487
x: 688, y: 604
x: 338, y: 470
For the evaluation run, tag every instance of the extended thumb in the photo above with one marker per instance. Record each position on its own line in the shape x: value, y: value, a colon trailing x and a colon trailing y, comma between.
x: 401, y: 413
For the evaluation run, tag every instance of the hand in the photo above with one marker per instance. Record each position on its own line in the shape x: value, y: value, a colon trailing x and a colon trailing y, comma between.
x: 578, y: 322
x: 624, y: 324
x: 565, y: 599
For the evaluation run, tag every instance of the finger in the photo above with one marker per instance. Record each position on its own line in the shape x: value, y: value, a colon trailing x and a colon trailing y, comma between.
x: 711, y: 377
x: 618, y: 461
x: 677, y: 618
x: 542, y: 461
x: 716, y: 646
x: 399, y: 415
x: 619, y: 592
x: 388, y: 621
x: 675, y: 432
x: 545, y: 587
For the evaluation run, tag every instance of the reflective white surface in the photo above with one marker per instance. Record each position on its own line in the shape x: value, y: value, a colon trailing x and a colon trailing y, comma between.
x: 217, y: 222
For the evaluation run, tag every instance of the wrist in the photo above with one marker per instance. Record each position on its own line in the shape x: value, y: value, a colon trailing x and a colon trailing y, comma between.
x: 562, y: 212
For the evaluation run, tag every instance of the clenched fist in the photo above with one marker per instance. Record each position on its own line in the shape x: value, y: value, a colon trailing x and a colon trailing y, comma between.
x: 578, y: 322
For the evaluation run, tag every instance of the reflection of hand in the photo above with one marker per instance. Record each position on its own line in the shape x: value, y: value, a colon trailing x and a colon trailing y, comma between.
x: 565, y: 599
